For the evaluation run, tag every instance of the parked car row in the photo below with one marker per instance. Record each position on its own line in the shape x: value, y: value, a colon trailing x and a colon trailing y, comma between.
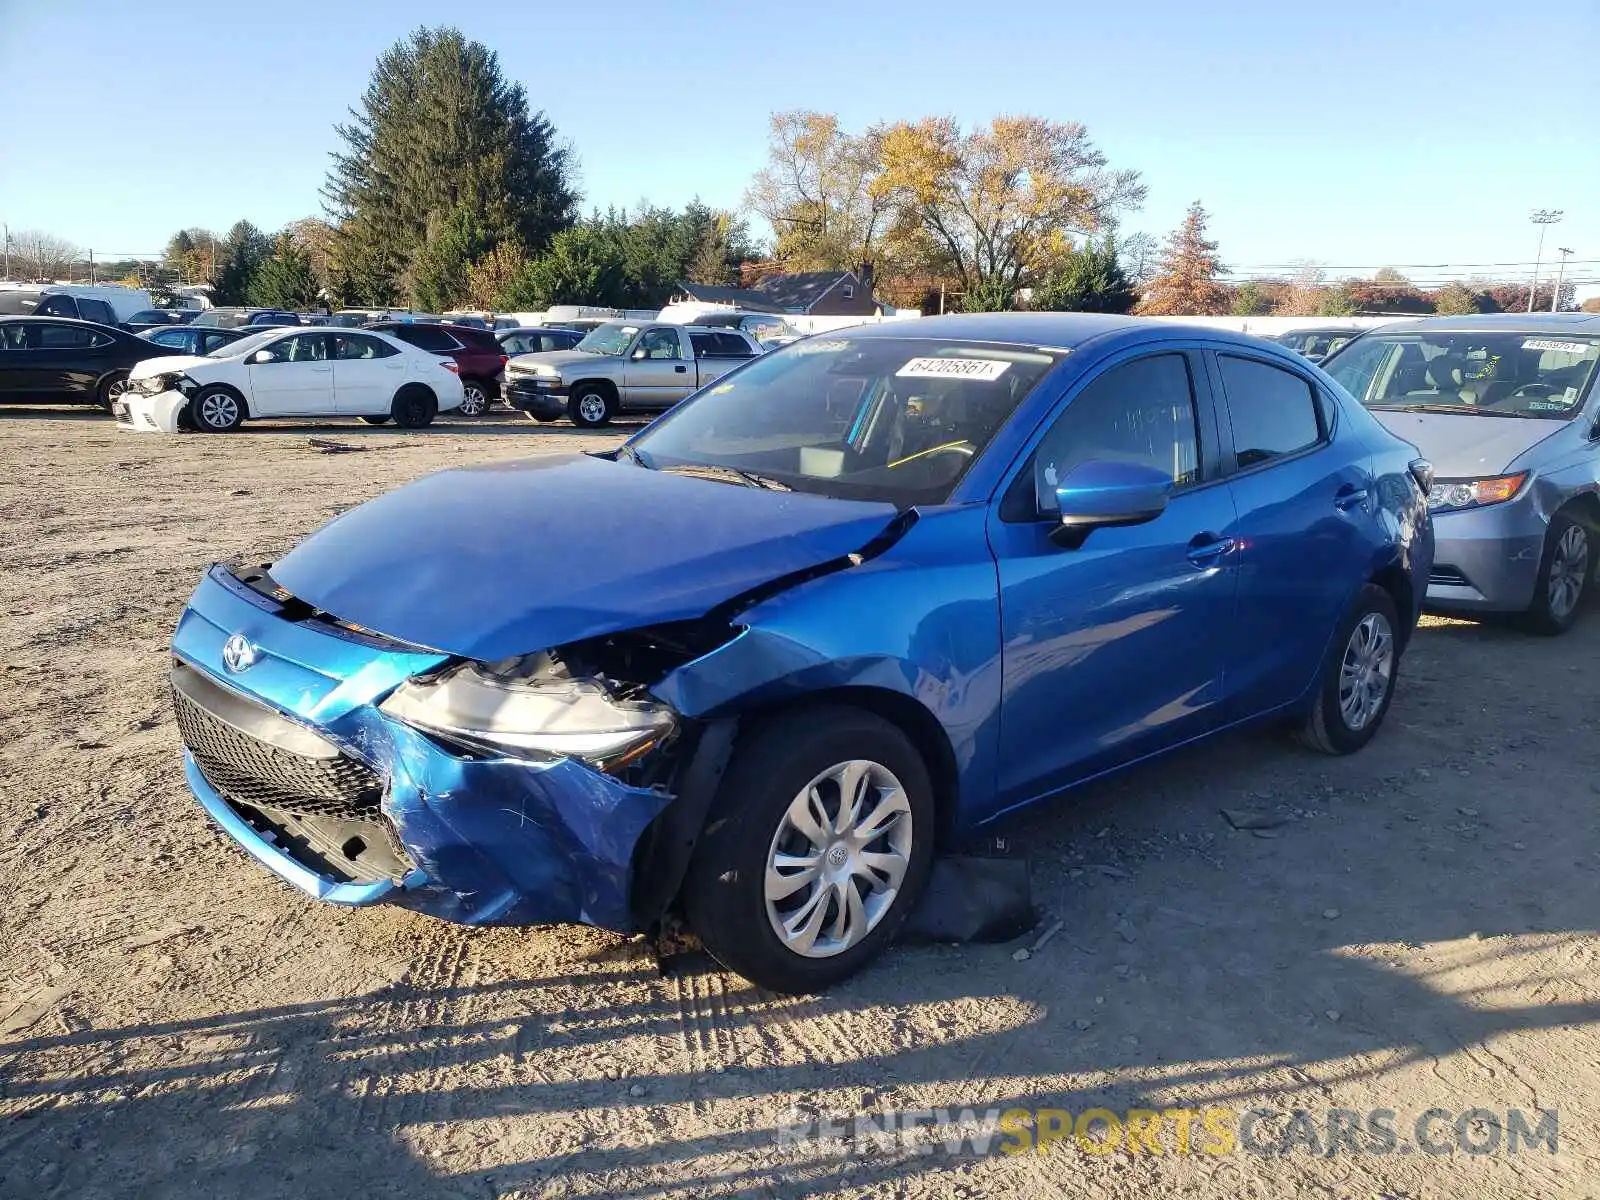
x: 862, y: 594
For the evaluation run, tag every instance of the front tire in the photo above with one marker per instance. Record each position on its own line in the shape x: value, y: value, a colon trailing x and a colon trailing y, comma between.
x: 1359, y: 677
x: 216, y: 410
x: 815, y: 850
x: 414, y: 407
x: 1564, y: 575
x: 591, y: 407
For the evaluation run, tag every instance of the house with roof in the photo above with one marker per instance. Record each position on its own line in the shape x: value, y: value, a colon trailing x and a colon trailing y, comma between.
x: 807, y: 293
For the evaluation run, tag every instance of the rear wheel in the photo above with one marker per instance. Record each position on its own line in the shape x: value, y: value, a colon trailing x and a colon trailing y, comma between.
x: 816, y: 848
x: 414, y: 407
x: 1359, y: 677
x: 216, y: 410
x: 474, y: 398
x: 591, y: 406
x: 1564, y: 575
x: 111, y: 389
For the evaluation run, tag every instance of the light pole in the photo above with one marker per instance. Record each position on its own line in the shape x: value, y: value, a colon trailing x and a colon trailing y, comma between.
x: 1541, y: 217
x: 1561, y: 273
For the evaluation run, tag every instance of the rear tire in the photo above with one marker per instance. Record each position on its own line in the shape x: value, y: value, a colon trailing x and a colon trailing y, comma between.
x: 591, y: 407
x: 1565, y: 572
x: 216, y: 410
x: 111, y: 389
x: 1358, y: 679
x: 414, y: 407
x: 475, y: 401
x: 744, y: 881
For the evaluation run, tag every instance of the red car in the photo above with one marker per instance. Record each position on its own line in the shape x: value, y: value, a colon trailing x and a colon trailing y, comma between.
x: 478, y: 357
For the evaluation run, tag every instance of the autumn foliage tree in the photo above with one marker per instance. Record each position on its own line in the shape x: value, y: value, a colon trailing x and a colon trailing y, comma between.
x: 1187, y: 282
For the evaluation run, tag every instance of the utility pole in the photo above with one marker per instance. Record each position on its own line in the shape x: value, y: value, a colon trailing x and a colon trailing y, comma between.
x: 91, y: 265
x: 1561, y: 273
x: 7, y: 229
x: 1541, y: 217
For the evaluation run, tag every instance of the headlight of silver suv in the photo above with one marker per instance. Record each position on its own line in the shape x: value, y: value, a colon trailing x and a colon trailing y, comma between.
x: 1450, y: 495
x: 533, y: 708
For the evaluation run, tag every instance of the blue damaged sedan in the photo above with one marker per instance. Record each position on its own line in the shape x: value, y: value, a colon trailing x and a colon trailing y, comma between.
x: 865, y: 594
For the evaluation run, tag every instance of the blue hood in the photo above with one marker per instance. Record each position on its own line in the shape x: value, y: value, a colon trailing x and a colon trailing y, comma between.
x: 504, y: 559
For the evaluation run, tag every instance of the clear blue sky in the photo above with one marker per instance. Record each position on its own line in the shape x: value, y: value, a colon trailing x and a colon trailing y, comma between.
x: 1356, y: 133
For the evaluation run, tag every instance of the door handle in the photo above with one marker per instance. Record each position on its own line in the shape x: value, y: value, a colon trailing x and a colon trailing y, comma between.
x: 1348, y: 497
x: 1206, y: 548
x: 681, y: 370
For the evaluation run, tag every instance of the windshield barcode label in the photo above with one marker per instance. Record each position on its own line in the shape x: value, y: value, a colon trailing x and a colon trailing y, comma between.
x: 1552, y: 344
x: 986, y: 369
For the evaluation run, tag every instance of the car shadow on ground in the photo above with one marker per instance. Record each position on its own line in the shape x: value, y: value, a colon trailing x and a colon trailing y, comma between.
x: 1198, y: 965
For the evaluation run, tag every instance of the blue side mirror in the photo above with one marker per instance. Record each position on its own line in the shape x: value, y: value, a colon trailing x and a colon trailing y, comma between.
x: 1098, y: 495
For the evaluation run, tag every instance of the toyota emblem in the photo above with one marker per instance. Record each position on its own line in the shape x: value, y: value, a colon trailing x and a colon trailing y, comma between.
x: 238, y: 654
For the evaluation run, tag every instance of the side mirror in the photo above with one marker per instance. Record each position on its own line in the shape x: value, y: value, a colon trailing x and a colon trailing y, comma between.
x: 1100, y: 495
x: 261, y: 356
x: 639, y: 354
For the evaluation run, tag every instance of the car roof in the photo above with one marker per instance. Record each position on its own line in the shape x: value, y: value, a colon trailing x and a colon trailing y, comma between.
x: 1058, y: 331
x: 533, y: 329
x: 1500, y: 323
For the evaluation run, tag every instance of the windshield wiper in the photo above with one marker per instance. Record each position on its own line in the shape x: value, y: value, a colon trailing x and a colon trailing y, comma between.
x: 1450, y: 409
x: 748, y: 478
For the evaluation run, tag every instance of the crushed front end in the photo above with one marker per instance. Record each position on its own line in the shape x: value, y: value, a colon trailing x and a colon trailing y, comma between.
x: 360, y: 769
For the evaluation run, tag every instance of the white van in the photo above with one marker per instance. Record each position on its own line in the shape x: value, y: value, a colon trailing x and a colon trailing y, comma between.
x: 109, y: 304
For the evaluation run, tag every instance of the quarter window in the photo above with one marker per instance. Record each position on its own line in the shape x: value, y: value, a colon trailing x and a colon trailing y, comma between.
x: 1273, y: 412
x: 1139, y: 412
x: 428, y: 337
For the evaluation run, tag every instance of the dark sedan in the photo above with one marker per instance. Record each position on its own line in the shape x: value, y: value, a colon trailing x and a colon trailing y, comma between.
x: 56, y: 360
x: 192, y: 339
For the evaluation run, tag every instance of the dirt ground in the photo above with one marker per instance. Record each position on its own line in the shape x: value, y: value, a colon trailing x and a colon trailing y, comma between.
x: 1420, y: 931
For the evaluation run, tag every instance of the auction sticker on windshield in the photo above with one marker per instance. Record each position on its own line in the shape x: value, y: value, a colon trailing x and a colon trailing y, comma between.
x: 986, y: 369
x: 1553, y: 344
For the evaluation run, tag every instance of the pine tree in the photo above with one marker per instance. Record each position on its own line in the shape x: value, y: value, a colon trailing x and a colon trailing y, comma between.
x: 1186, y: 283
x: 1088, y: 279
x: 246, y: 249
x: 440, y: 127
x: 286, y: 280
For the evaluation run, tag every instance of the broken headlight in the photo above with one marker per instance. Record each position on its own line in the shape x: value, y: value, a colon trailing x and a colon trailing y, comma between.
x: 532, y: 707
x: 173, y: 381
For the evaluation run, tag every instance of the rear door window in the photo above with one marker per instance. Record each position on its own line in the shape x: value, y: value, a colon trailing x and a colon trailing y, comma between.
x: 56, y: 306
x: 51, y: 336
x: 1274, y: 412
x: 96, y: 310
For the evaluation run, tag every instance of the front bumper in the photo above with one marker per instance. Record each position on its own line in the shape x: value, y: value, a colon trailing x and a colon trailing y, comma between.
x: 1487, y: 559
x: 546, y: 402
x: 162, y: 413
x: 483, y: 840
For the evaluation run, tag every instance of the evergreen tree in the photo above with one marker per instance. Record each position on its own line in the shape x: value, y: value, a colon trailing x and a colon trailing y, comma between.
x: 583, y: 266
x: 440, y: 127
x: 1250, y: 300
x: 1186, y: 283
x: 286, y: 280
x: 1087, y: 279
x: 246, y: 249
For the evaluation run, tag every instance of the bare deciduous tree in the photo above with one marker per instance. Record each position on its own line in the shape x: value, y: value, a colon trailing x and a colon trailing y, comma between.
x: 40, y: 256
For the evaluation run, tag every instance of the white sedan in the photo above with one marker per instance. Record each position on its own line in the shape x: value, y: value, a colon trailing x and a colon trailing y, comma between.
x: 291, y: 372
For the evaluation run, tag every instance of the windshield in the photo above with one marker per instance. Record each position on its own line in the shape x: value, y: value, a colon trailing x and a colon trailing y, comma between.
x: 610, y: 338
x: 16, y: 303
x: 245, y: 345
x: 896, y: 419
x: 1483, y: 374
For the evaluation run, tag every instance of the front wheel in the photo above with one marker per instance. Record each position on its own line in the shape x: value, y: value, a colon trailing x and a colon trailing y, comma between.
x: 1564, y: 575
x: 590, y: 407
x: 216, y: 410
x: 1359, y: 677
x: 816, y: 848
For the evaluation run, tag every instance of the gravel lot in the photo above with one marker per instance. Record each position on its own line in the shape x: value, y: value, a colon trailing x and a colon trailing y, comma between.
x: 1420, y: 932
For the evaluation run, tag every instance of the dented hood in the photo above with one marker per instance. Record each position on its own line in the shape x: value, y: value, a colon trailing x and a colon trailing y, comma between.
x: 504, y: 559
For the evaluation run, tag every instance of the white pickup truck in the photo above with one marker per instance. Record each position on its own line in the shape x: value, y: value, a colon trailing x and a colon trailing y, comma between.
x: 623, y: 366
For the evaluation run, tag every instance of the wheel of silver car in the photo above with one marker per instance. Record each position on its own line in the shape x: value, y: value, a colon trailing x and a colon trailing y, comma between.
x: 815, y: 848
x: 1366, y: 670
x: 590, y: 407
x: 216, y: 410
x: 1564, y: 575
x: 838, y: 858
x: 474, y: 400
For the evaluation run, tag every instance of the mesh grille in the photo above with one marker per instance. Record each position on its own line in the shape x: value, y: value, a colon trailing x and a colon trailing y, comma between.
x: 247, y: 771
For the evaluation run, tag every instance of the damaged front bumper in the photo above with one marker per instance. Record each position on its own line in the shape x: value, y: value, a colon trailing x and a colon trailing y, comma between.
x: 287, y: 750
x: 161, y: 413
